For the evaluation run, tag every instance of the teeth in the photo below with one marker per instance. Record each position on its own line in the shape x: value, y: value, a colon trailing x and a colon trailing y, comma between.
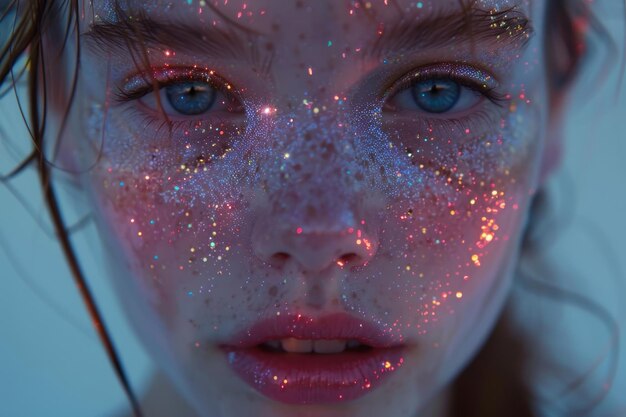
x: 308, y: 346
x: 297, y: 346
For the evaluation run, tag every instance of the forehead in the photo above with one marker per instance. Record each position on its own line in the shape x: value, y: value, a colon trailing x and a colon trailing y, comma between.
x: 267, y: 17
x: 333, y: 42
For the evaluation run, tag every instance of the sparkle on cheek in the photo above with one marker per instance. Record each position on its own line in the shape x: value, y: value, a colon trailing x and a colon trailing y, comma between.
x: 197, y: 204
x: 427, y: 205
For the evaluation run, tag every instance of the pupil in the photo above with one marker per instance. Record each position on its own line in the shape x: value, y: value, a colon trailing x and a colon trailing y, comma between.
x: 436, y: 96
x: 191, y: 98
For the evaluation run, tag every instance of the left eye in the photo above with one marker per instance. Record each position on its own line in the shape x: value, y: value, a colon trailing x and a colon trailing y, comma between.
x: 190, y: 98
x: 436, y: 95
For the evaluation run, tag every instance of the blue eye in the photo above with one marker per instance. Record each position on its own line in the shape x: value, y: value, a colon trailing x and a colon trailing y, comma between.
x: 437, y: 95
x: 441, y: 90
x: 190, y: 98
x: 183, y: 94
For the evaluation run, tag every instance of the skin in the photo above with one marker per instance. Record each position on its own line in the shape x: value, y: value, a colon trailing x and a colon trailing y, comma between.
x: 329, y: 192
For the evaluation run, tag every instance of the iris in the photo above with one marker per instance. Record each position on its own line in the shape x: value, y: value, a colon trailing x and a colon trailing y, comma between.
x: 190, y: 98
x: 437, y: 95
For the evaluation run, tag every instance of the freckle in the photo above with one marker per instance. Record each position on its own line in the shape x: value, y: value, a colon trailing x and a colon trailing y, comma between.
x: 269, y: 46
x: 273, y: 291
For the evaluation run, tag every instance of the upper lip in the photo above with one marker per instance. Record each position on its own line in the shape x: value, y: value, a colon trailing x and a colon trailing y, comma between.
x: 333, y: 326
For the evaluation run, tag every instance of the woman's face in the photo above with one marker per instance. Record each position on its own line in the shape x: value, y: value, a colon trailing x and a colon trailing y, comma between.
x: 311, y: 208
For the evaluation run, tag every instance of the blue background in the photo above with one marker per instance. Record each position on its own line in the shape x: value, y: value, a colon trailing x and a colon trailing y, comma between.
x: 52, y: 364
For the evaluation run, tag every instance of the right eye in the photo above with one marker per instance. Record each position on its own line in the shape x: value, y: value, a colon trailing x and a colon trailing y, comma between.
x: 183, y: 92
x: 190, y: 98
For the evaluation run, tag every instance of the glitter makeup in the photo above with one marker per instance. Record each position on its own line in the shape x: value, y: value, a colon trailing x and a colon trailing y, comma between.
x: 336, y: 231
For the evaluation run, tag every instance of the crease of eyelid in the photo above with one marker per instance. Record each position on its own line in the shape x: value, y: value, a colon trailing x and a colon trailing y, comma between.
x: 154, y: 126
x: 477, y: 122
x: 125, y: 94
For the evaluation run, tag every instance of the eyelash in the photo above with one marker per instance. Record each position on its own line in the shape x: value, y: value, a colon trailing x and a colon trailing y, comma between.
x: 159, y: 125
x: 170, y: 76
x: 139, y: 86
x: 454, y: 73
x: 450, y: 124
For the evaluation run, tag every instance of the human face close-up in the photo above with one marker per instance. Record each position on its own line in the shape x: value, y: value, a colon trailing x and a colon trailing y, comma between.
x: 311, y: 208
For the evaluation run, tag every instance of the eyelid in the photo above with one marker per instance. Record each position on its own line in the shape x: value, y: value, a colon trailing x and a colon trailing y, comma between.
x: 466, y: 75
x: 141, y: 84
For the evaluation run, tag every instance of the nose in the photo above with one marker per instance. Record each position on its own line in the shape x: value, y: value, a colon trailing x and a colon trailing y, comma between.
x: 314, y: 209
x: 313, y: 248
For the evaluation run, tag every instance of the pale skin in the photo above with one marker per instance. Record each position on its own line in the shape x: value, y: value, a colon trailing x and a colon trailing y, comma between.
x: 321, y: 187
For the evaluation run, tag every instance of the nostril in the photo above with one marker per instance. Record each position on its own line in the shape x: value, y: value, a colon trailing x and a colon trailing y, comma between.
x: 279, y: 258
x: 348, y: 258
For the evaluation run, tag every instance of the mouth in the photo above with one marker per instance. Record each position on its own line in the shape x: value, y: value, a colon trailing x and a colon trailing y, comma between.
x: 299, y: 360
x: 320, y: 346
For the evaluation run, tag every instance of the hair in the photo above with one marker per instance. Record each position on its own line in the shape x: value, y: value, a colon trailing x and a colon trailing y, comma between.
x: 494, y: 383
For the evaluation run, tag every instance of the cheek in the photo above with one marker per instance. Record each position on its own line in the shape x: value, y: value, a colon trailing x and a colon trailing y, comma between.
x: 180, y: 246
x: 434, y: 267
x: 179, y: 214
x: 453, y: 223
x: 452, y: 210
x: 166, y: 211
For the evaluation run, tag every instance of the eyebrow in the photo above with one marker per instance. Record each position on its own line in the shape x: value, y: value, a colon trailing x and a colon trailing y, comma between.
x: 127, y: 35
x: 510, y: 27
x: 474, y: 25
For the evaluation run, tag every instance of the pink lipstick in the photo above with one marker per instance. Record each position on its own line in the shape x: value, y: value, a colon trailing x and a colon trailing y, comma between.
x: 299, y: 360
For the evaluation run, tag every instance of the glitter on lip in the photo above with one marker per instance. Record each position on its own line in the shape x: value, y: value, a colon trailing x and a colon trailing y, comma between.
x: 429, y: 227
x: 315, y: 378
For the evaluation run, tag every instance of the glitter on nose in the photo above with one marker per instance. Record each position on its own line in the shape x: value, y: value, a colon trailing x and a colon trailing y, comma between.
x: 268, y: 110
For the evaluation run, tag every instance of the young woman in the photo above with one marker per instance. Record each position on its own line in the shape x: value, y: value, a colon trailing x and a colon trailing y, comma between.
x: 309, y: 208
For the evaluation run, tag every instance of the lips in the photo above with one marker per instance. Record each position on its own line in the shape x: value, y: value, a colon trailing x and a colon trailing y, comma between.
x: 299, y: 360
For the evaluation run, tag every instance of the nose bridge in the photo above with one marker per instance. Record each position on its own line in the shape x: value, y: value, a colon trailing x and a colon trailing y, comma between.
x: 316, y: 211
x: 318, y: 182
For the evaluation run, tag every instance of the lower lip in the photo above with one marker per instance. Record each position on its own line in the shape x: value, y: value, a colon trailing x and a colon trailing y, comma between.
x: 300, y: 378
